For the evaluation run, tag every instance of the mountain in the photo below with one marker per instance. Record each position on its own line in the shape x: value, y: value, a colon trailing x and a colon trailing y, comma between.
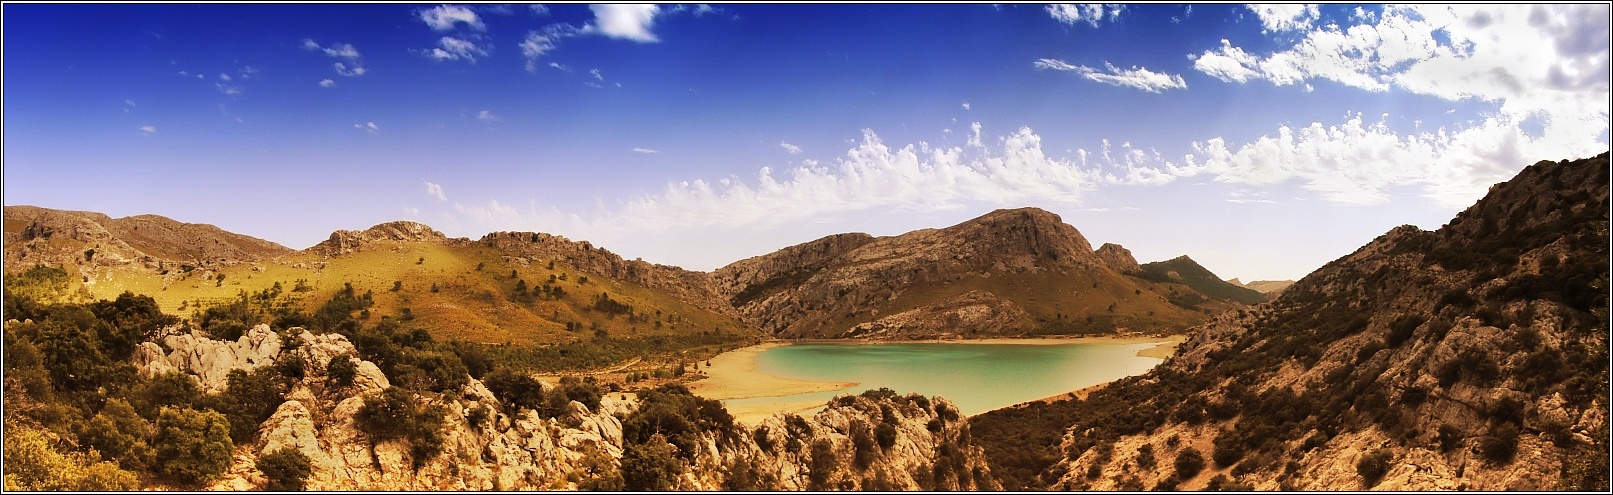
x: 1268, y: 287
x: 1473, y: 357
x: 1117, y: 258
x: 1184, y: 270
x: 34, y: 235
x: 1009, y: 272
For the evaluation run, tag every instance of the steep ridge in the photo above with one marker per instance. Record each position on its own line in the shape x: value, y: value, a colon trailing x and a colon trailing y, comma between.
x: 1009, y: 272
x: 1118, y: 258
x: 343, y: 242
x: 34, y: 235
x: 1473, y: 357
x: 1184, y: 270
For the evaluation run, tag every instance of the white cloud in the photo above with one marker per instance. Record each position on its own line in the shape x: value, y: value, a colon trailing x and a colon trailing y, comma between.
x: 557, y: 66
x: 966, y: 105
x: 444, y: 17
x: 370, y: 127
x: 486, y: 116
x: 434, y: 190
x: 628, y: 22
x: 228, y: 89
x: 539, y: 9
x: 128, y: 105
x: 1087, y: 13
x: 353, y: 67
x: 597, y: 74
x: 451, y: 48
x: 411, y: 212
x: 1550, y: 60
x: 541, y: 42
x: 1286, y: 16
x: 646, y: 151
x: 327, y: 83
x: 793, y: 149
x: 224, y: 77
x: 1136, y: 77
x: 148, y: 130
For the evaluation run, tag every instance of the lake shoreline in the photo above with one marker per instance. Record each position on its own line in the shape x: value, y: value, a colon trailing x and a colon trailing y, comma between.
x: 733, y: 374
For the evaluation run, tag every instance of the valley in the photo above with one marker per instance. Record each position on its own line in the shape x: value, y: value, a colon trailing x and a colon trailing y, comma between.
x: 1471, y: 357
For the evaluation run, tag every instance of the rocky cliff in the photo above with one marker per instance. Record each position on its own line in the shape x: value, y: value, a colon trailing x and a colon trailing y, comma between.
x: 343, y: 242
x: 1469, y: 358
x: 1009, y: 272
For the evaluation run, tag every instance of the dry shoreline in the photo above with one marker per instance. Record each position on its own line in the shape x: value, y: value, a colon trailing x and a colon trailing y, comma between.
x: 733, y: 374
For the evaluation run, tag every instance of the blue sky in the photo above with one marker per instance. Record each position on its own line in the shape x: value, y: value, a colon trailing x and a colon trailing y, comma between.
x: 1263, y: 141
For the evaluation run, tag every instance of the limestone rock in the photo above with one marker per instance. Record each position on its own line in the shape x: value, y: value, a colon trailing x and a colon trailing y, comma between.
x: 1118, y: 258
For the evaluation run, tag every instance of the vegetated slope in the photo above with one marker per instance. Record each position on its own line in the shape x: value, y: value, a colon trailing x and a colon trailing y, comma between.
x: 1473, y: 357
x: 1009, y: 272
x: 1184, y: 270
x: 41, y: 235
x: 1264, y: 286
x: 490, y: 291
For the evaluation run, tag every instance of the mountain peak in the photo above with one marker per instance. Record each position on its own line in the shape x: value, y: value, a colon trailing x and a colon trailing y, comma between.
x: 348, y: 241
x: 1117, y: 257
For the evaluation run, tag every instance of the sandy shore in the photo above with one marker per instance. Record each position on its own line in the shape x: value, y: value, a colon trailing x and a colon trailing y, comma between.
x: 1166, y: 347
x: 733, y: 375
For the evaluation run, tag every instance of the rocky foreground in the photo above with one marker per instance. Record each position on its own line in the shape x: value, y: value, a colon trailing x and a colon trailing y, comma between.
x: 926, y: 444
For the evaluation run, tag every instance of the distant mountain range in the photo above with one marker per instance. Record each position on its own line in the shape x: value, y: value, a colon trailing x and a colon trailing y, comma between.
x: 1007, y: 273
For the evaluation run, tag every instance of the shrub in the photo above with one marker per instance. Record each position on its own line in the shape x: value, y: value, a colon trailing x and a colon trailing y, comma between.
x: 515, y: 390
x: 250, y: 399
x: 341, y: 370
x: 1400, y: 331
x: 1449, y: 438
x: 1188, y: 463
x: 396, y: 414
x: 1145, y: 456
x: 119, y: 434
x: 192, y: 447
x: 649, y: 466
x: 33, y: 462
x: 286, y: 468
x: 823, y: 466
x: 885, y: 434
x: 1501, y: 445
x: 1373, y: 466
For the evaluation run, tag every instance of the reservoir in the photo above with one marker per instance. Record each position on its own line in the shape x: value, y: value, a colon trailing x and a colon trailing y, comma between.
x: 977, y: 377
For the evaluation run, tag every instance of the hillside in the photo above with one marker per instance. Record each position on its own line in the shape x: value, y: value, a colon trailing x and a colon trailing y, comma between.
x: 1469, y: 358
x: 1184, y: 270
x: 1009, y: 272
x: 42, y: 235
x: 1264, y: 286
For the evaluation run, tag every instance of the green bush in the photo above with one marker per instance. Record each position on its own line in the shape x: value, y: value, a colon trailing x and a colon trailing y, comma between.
x: 341, y: 370
x: 885, y: 434
x: 192, y: 447
x: 119, y: 434
x: 515, y: 390
x: 394, y: 414
x: 823, y: 464
x: 1501, y: 445
x: 650, y: 466
x: 1188, y: 463
x: 250, y: 399
x: 286, y: 468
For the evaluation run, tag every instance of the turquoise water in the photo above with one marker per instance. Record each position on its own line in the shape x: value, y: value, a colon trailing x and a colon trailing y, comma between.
x: 976, y: 377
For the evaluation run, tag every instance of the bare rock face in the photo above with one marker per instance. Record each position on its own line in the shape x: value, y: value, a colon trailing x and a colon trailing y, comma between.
x: 1118, y: 258
x: 343, y: 242
x: 970, y: 314
x: 210, y: 361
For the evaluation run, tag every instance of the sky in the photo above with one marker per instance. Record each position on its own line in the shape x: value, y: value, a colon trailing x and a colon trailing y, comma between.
x: 1262, y: 141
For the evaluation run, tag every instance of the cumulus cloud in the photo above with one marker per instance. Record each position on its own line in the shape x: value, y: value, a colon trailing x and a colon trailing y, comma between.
x: 792, y: 149
x: 1548, y: 60
x: 1088, y: 13
x: 353, y: 65
x: 1136, y: 77
x: 434, y: 190
x: 445, y: 17
x: 147, y: 130
x: 1286, y: 16
x: 327, y: 83
x: 451, y: 48
x: 626, y: 21
x: 486, y: 116
x: 369, y: 127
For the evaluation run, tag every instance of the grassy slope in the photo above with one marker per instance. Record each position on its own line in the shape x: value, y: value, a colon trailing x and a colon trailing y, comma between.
x: 1201, y: 279
x: 469, y: 305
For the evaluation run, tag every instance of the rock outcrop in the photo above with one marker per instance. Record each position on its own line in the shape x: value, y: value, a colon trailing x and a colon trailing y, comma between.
x: 1469, y: 358
x: 343, y: 242
x: 209, y: 361
x: 1118, y: 258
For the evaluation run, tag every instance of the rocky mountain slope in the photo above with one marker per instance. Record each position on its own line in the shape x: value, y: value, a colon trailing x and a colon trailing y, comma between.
x: 42, y: 235
x: 1009, y: 272
x: 1472, y: 357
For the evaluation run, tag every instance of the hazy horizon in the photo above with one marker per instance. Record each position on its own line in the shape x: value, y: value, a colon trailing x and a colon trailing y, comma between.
x: 1262, y: 142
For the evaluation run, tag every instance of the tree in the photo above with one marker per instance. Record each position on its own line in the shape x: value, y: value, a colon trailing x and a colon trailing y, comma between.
x: 119, y: 434
x: 515, y: 390
x: 286, y: 468
x: 1188, y: 463
x: 192, y: 447
x: 649, y: 466
x: 33, y: 462
x: 250, y: 399
x: 341, y: 370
